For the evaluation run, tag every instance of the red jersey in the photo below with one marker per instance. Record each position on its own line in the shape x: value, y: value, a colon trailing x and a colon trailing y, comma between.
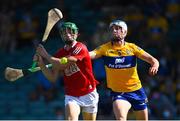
x: 78, y: 77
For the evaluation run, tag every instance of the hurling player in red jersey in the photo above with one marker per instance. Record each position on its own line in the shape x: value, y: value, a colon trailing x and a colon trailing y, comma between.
x: 79, y: 82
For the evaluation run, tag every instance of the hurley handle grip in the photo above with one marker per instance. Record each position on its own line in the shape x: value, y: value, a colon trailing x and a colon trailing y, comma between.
x: 35, y: 69
x: 34, y: 64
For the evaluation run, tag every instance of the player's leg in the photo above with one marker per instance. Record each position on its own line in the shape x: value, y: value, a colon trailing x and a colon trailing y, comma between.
x: 142, y: 114
x: 90, y: 112
x: 121, y: 105
x: 121, y: 108
x: 72, y: 109
x: 90, y: 105
x: 139, y: 104
x: 89, y: 116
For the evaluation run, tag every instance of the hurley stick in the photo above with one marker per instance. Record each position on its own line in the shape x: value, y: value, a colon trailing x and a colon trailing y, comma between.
x: 54, y: 15
x: 13, y: 74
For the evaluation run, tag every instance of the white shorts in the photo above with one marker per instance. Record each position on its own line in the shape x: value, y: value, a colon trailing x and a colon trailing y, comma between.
x: 88, y: 102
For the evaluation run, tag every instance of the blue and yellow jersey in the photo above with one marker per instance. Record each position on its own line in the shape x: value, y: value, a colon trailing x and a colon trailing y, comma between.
x: 120, y: 66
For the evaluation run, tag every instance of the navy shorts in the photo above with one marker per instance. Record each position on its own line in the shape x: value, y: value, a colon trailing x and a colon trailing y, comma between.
x: 138, y: 98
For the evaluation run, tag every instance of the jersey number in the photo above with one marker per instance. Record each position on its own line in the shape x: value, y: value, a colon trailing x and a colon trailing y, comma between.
x: 71, y: 70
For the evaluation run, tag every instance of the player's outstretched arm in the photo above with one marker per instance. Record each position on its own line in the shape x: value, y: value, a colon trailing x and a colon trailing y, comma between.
x: 58, y: 65
x: 151, y: 60
x: 93, y: 55
x: 62, y: 63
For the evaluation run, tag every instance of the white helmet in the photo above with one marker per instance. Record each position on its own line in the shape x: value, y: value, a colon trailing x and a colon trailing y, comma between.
x: 119, y: 23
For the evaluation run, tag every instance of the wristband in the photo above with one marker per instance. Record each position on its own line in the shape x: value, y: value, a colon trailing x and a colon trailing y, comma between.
x: 63, y: 60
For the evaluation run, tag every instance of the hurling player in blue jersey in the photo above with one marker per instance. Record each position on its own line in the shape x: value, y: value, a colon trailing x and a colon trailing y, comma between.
x: 120, y: 61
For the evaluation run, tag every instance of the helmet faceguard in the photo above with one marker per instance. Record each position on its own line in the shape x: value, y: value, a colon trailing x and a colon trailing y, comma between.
x: 68, y: 32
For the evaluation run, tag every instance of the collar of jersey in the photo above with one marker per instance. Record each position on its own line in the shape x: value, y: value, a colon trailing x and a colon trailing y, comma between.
x: 118, y: 47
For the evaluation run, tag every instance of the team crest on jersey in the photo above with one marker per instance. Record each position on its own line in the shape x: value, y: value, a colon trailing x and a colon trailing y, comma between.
x: 128, y: 52
x: 119, y: 52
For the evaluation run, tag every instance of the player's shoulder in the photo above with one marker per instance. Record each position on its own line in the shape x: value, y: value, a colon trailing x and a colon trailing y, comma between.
x: 133, y: 46
x: 80, y: 44
x: 130, y: 45
x: 105, y: 45
x: 59, y: 52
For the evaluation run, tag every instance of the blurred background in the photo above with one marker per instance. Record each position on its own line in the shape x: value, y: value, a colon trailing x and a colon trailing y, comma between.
x: 152, y: 24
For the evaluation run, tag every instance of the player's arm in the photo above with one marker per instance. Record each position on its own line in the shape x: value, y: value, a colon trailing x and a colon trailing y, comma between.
x: 60, y: 63
x: 51, y: 74
x: 96, y: 53
x: 93, y: 55
x: 152, y: 61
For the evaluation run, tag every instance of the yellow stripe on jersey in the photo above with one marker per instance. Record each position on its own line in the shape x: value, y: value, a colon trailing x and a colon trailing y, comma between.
x: 120, y: 66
